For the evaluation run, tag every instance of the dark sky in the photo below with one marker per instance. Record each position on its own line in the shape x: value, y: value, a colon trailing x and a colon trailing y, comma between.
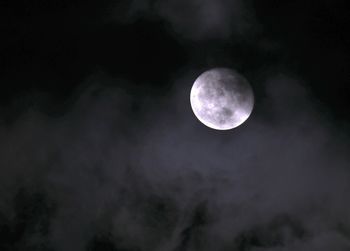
x: 99, y: 148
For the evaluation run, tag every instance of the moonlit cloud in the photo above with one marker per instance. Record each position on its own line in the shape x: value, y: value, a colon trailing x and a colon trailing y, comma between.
x: 157, y: 179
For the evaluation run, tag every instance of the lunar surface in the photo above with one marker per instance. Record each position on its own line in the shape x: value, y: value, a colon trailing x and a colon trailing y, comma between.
x: 222, y: 99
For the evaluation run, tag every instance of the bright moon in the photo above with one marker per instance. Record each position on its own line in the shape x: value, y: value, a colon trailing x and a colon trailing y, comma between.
x: 222, y: 99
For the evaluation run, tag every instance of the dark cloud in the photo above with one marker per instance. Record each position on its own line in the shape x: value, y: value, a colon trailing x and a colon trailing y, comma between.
x: 195, y: 19
x: 126, y: 173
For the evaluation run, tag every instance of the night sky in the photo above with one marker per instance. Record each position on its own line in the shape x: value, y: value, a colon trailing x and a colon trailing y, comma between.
x: 100, y: 150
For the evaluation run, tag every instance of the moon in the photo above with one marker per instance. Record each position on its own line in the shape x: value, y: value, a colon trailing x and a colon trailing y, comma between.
x: 222, y: 99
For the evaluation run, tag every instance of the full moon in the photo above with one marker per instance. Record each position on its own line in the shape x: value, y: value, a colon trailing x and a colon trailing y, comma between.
x: 222, y: 99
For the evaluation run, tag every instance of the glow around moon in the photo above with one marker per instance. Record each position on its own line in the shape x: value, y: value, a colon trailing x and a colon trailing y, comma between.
x: 222, y: 99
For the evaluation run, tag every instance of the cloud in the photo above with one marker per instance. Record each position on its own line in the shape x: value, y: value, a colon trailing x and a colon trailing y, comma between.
x: 144, y: 174
x: 196, y: 19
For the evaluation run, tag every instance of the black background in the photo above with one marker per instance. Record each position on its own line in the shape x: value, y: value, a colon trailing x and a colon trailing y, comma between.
x: 52, y: 46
